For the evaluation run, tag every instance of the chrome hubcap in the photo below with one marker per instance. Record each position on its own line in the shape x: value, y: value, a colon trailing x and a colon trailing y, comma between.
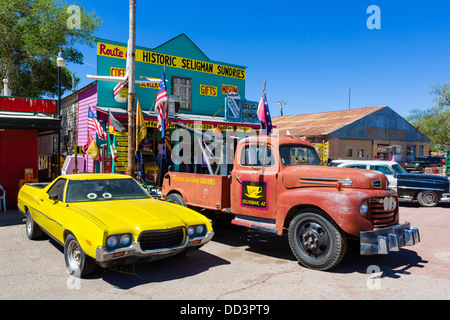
x: 29, y: 224
x: 429, y: 198
x: 74, y: 254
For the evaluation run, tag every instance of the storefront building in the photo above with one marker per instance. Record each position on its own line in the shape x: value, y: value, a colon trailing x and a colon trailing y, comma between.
x: 197, y: 87
x: 363, y: 133
x: 27, y: 128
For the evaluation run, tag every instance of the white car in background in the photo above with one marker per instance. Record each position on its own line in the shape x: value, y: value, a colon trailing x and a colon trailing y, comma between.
x: 390, y: 168
x: 427, y: 189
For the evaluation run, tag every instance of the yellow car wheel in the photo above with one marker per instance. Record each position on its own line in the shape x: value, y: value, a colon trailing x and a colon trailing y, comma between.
x: 77, y: 262
x: 34, y: 232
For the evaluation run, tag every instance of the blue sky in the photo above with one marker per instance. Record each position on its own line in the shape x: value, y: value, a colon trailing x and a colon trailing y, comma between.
x: 310, y: 52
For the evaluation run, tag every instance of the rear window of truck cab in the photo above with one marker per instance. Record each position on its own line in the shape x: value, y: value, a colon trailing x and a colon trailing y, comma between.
x: 257, y: 155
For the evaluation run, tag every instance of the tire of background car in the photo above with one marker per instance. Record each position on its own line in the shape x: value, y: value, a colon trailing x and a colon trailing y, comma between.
x: 77, y: 262
x: 175, y: 198
x: 428, y: 198
x: 34, y: 232
x: 316, y: 242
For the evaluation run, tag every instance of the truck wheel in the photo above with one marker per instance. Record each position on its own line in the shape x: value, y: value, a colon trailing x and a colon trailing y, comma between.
x: 428, y: 198
x: 77, y: 262
x: 316, y: 242
x: 34, y: 232
x: 175, y: 198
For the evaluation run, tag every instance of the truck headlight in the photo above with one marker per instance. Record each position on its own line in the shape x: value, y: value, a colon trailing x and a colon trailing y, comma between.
x: 364, y: 208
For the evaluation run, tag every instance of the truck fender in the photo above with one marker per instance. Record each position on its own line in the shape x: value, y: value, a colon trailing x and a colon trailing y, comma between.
x: 339, y: 206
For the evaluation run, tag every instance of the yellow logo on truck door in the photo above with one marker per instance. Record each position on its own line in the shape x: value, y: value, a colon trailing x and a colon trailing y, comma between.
x: 254, y: 194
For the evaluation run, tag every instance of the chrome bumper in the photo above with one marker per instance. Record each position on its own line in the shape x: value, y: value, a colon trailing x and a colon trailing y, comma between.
x: 134, y: 252
x: 445, y: 197
x: 383, y: 241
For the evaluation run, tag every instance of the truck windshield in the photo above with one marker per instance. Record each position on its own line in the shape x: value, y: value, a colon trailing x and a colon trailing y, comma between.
x: 298, y: 154
x: 103, y: 190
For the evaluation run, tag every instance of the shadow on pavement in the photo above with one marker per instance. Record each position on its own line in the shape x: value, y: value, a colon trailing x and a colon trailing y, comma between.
x: 176, y: 267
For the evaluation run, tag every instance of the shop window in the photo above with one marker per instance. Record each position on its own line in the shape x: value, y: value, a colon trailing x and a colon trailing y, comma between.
x: 410, y: 153
x: 349, y: 152
x: 182, y: 87
x: 420, y: 150
x: 360, y: 153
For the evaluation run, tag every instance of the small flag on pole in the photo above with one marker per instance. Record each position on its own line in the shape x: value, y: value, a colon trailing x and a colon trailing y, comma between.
x: 264, y: 113
x: 91, y: 149
x: 141, y: 129
x: 93, y: 124
x: 114, y: 126
x: 161, y: 104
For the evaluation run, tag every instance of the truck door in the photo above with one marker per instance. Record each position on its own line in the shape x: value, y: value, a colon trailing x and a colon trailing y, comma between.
x: 254, y: 186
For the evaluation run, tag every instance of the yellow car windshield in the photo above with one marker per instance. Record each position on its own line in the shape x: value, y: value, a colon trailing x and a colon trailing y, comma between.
x: 103, y: 190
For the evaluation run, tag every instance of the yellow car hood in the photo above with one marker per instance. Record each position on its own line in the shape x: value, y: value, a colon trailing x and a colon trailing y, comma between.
x: 139, y: 215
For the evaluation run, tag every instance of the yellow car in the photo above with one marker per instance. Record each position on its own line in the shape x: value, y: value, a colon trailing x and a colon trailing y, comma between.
x: 107, y: 219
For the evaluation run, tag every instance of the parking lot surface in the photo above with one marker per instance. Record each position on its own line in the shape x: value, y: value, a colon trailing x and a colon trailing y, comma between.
x: 237, y: 264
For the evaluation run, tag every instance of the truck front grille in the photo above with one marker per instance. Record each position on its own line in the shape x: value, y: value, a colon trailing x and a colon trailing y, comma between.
x: 382, y: 213
x: 161, y: 239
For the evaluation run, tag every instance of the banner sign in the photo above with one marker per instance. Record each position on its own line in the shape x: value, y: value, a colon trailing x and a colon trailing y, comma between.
x: 119, y: 52
x: 240, y: 110
x: 200, y: 126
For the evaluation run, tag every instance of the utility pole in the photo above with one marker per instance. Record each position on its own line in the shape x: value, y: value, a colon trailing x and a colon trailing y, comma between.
x: 131, y: 90
x: 349, y: 97
x: 281, y: 106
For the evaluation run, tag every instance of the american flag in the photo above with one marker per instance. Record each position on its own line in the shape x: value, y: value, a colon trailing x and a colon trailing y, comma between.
x: 93, y: 124
x: 161, y: 104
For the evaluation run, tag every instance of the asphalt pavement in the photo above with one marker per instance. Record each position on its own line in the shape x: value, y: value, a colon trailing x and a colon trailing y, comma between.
x: 237, y: 265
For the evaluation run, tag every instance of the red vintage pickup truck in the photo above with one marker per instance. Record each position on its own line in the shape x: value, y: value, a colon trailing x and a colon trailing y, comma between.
x: 278, y: 185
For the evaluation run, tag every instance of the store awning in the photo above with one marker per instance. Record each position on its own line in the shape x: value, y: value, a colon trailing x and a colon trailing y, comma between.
x: 31, y: 121
x: 207, y: 121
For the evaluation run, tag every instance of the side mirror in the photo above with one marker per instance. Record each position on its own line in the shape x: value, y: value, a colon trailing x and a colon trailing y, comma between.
x: 53, y: 196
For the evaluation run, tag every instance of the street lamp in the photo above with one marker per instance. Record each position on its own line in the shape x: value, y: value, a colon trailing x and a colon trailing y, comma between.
x: 61, y: 64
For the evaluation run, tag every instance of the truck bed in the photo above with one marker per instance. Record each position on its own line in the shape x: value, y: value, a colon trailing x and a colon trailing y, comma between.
x: 199, y: 190
x: 39, y: 185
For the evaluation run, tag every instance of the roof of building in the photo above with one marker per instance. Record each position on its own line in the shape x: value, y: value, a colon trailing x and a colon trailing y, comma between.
x: 323, y: 123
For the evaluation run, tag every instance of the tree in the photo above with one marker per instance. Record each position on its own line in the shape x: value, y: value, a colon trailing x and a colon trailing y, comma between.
x: 435, y: 122
x: 32, y: 32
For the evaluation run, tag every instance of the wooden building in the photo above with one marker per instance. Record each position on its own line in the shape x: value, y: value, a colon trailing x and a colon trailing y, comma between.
x: 362, y: 133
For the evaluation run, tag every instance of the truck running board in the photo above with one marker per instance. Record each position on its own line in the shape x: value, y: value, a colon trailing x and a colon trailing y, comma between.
x: 261, y: 224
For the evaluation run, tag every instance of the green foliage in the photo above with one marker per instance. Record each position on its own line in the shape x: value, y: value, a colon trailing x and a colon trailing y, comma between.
x: 32, y: 32
x: 435, y: 122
